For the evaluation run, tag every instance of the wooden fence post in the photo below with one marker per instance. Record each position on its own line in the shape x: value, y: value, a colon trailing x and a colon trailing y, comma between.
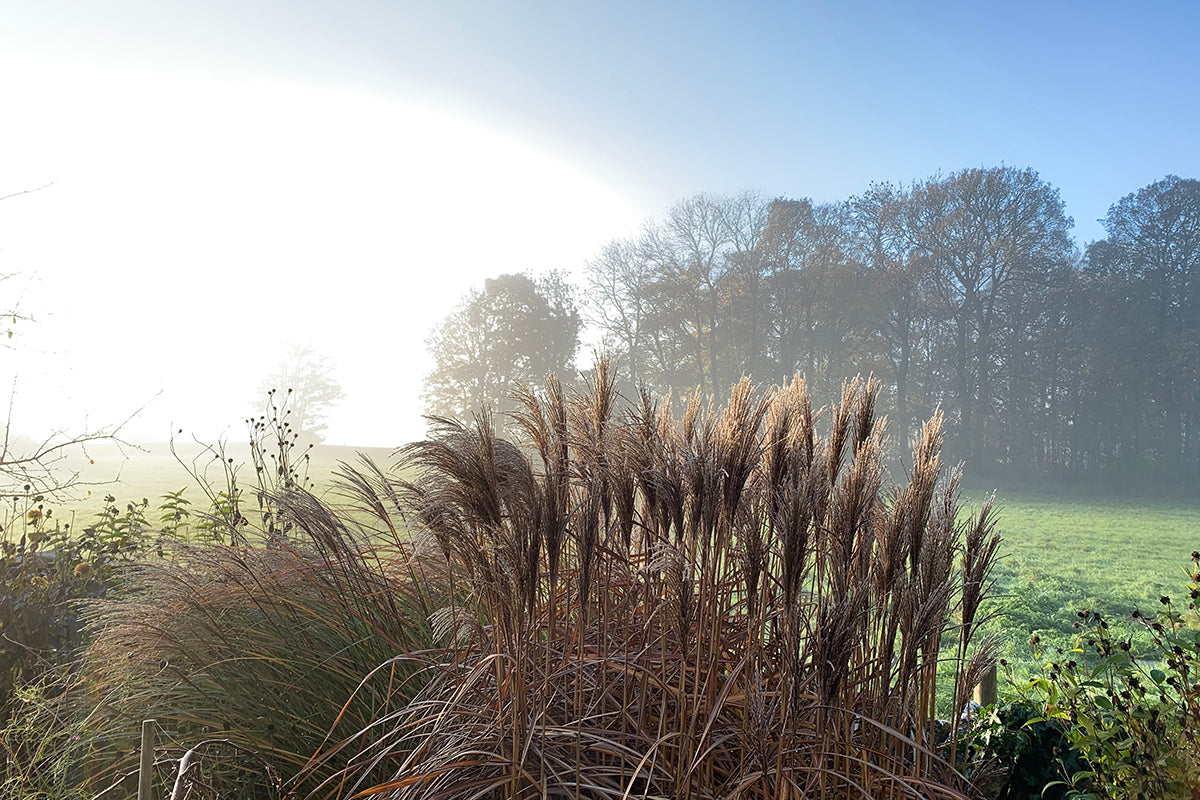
x: 985, y: 692
x: 146, y: 768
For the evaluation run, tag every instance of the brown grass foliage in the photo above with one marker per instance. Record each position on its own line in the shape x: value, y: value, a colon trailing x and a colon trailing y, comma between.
x: 726, y: 603
x: 261, y: 651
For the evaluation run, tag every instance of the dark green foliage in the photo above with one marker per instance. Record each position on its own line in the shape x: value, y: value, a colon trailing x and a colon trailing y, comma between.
x: 1028, y: 752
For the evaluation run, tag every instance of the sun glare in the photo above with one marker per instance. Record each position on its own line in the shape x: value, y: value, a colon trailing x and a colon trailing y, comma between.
x: 219, y: 214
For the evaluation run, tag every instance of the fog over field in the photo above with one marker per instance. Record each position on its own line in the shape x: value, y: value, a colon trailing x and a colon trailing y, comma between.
x: 211, y: 184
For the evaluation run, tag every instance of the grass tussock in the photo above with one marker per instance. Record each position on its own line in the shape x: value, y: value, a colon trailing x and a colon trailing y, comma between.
x: 262, y: 652
x: 724, y: 603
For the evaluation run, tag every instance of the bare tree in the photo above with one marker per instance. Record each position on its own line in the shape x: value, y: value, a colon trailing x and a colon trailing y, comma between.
x: 44, y: 465
x: 693, y: 290
x: 619, y: 303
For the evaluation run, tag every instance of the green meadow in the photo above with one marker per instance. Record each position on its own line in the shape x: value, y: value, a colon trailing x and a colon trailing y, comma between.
x: 131, y: 473
x: 1066, y: 551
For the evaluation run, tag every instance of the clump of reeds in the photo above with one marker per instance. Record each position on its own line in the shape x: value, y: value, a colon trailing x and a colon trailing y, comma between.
x: 728, y: 603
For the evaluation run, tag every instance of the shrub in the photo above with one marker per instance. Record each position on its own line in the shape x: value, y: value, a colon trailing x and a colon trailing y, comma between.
x: 1027, y: 753
x: 46, y: 569
x: 1128, y: 697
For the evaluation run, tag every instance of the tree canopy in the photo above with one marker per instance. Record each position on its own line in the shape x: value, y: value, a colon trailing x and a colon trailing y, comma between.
x: 962, y: 292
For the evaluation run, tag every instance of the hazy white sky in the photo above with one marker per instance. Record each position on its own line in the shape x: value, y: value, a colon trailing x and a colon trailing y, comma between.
x: 228, y: 177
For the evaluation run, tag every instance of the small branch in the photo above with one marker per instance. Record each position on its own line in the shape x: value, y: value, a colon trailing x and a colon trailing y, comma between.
x: 27, y: 191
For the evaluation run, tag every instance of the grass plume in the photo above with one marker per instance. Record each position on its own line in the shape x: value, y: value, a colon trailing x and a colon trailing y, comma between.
x: 727, y: 604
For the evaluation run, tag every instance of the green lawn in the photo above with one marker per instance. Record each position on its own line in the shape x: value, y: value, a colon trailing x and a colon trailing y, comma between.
x: 1065, y: 553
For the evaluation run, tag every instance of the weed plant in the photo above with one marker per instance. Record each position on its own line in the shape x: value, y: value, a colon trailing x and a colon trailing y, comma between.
x: 44, y: 745
x: 722, y: 604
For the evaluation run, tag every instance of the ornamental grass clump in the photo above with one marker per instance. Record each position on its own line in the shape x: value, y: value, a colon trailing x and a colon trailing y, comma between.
x: 265, y: 650
x: 251, y: 654
x: 726, y: 603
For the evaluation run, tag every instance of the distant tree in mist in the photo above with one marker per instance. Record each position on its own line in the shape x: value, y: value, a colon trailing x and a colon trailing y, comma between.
x: 676, y: 305
x: 513, y: 331
x: 814, y: 302
x: 902, y: 314
x: 305, y: 390
x: 1140, y: 400
x: 995, y: 239
x: 963, y: 292
x: 620, y: 280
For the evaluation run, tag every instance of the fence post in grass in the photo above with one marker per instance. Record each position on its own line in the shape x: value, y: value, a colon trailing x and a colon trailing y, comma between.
x: 146, y: 768
x: 985, y: 692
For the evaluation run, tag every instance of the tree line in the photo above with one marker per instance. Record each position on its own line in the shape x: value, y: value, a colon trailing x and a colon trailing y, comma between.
x: 962, y: 291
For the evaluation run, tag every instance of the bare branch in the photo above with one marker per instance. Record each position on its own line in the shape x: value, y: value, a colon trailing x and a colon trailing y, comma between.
x: 27, y: 191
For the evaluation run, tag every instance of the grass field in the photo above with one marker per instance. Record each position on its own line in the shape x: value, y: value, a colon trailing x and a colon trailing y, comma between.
x: 150, y: 470
x: 1065, y: 552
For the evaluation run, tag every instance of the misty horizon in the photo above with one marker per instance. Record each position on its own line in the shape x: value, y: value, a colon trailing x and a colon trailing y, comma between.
x: 218, y: 189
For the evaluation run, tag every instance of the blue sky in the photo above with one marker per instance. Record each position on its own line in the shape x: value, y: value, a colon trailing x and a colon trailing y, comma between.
x: 365, y: 163
x: 789, y: 98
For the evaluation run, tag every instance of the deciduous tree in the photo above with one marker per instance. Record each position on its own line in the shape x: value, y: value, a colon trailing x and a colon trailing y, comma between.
x: 1146, y: 332
x: 995, y: 238
x: 514, y: 331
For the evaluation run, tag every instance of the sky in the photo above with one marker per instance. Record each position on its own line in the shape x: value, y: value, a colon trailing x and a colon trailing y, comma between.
x: 224, y: 179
